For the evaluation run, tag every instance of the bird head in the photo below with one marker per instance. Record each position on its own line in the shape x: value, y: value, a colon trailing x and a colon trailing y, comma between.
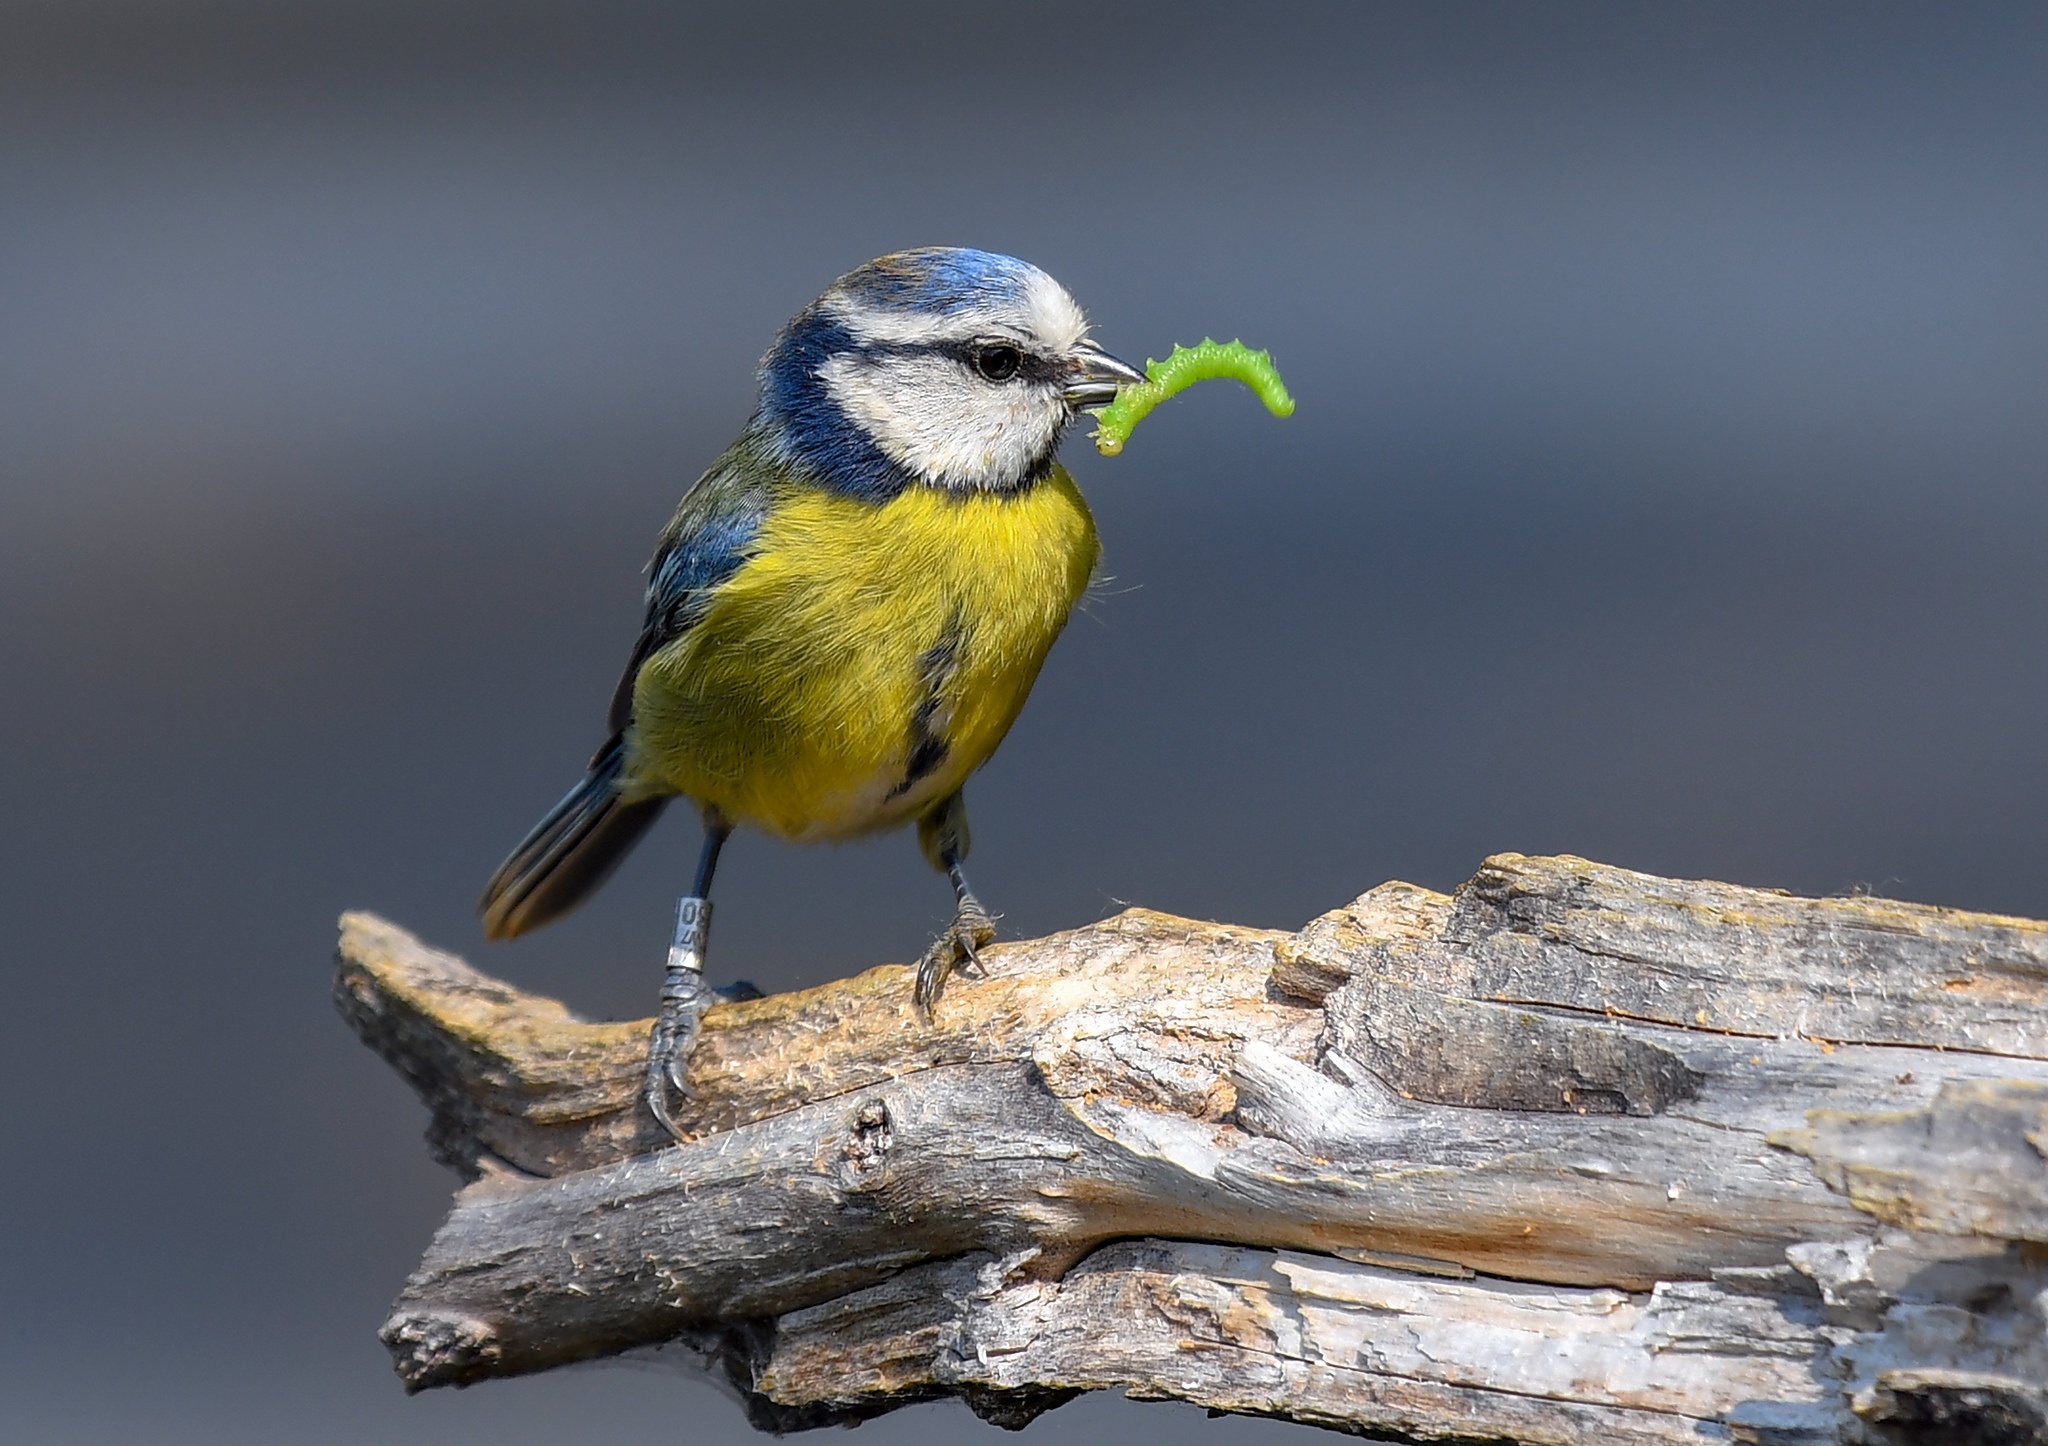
x: 943, y: 367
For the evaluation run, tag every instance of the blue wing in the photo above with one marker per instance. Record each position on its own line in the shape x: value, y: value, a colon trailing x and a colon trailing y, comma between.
x: 711, y: 535
x: 581, y: 840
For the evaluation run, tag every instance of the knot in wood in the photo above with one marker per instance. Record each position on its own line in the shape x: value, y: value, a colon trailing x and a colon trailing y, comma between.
x: 864, y: 1159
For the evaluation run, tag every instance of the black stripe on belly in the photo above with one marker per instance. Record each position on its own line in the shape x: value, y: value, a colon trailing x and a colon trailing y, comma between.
x: 928, y: 749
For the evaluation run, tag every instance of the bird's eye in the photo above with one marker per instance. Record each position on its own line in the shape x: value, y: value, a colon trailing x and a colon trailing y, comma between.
x: 997, y: 363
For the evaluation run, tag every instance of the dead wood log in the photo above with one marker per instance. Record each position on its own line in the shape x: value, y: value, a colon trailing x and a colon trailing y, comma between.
x: 1572, y: 1155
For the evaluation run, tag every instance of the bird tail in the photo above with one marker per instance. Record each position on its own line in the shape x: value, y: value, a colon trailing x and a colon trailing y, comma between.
x: 570, y: 852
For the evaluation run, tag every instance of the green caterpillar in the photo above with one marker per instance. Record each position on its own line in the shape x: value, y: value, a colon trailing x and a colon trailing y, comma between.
x: 1188, y: 365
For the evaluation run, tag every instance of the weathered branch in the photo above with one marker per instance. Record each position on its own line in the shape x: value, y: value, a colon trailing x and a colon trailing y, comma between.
x: 1572, y: 1155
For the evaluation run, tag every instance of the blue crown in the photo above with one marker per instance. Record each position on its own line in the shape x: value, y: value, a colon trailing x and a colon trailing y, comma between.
x: 939, y: 279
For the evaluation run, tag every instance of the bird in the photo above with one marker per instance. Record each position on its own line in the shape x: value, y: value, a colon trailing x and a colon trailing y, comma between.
x: 849, y: 607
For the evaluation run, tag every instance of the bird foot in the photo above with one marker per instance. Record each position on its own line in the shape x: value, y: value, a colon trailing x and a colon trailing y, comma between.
x: 669, y: 1049
x: 958, y: 947
x: 683, y: 1001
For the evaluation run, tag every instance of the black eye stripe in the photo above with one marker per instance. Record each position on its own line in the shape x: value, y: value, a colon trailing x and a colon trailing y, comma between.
x: 1030, y: 365
x: 1012, y: 361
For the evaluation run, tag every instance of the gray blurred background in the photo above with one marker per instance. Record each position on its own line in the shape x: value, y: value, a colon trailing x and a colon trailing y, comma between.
x: 1669, y: 485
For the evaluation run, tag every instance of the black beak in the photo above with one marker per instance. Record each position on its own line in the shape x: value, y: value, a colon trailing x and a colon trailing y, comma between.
x: 1096, y: 376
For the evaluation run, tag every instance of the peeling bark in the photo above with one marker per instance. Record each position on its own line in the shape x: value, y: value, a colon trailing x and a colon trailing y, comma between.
x: 1572, y: 1155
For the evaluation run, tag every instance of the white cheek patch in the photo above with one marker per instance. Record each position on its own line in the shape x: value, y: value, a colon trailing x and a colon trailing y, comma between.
x: 943, y: 426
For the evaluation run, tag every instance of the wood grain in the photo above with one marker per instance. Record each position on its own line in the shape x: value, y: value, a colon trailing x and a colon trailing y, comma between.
x: 1574, y: 1154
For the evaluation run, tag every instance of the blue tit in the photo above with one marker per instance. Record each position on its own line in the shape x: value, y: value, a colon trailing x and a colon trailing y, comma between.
x: 849, y: 608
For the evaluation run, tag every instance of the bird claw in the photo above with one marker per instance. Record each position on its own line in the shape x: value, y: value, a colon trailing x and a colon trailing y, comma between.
x: 958, y: 947
x: 678, y: 1070
x: 673, y: 1041
x: 668, y: 1063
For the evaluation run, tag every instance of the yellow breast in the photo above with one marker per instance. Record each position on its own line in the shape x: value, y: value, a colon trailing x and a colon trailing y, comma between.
x: 866, y: 659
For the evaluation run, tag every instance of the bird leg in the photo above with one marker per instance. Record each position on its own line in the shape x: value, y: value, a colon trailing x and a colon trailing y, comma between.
x: 683, y: 995
x: 957, y: 947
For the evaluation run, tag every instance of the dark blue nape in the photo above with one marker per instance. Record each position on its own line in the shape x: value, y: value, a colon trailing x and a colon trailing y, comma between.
x: 822, y: 439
